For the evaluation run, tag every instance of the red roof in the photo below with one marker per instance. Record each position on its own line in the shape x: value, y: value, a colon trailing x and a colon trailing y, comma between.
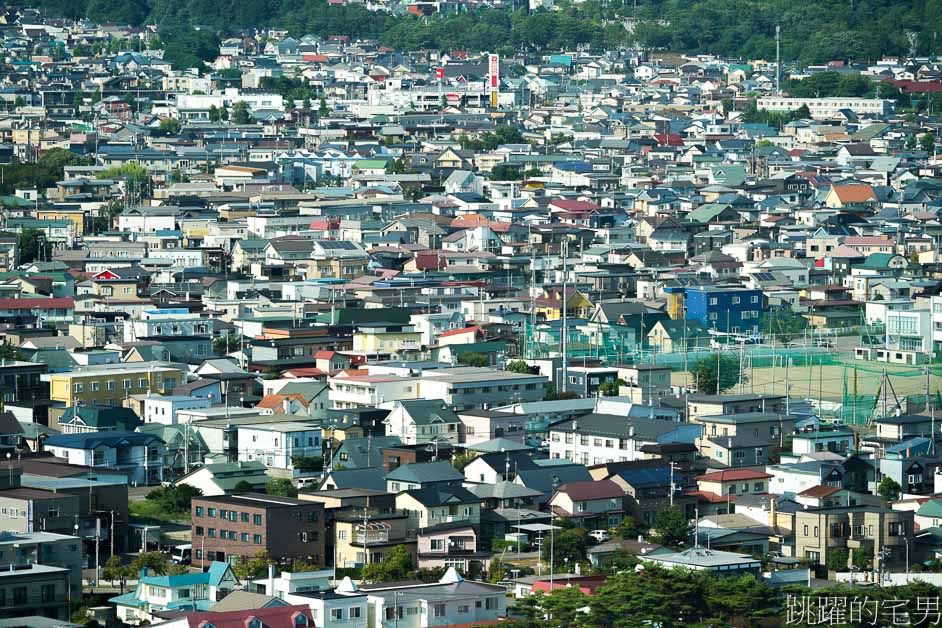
x: 273, y: 617
x: 455, y: 332
x: 733, y: 475
x: 575, y: 206
x: 324, y: 354
x: 918, y: 87
x: 710, y: 497
x: 29, y: 304
x: 670, y: 139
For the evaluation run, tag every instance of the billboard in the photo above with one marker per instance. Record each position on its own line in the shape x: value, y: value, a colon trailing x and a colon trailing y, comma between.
x: 493, y: 71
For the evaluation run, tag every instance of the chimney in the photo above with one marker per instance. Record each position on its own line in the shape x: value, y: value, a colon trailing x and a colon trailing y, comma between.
x: 286, y: 405
x: 772, y: 511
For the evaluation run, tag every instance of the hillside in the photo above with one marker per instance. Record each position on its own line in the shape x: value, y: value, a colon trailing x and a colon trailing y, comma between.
x: 813, y: 31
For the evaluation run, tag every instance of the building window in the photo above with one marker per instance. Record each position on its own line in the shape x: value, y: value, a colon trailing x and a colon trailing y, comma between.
x: 211, y: 533
x: 354, y: 612
x: 257, y: 519
x: 336, y: 614
x: 257, y: 539
x: 199, y: 511
x: 438, y: 610
x: 48, y: 593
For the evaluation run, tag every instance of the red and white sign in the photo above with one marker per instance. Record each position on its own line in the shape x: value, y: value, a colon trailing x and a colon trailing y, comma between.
x: 439, y: 73
x: 493, y: 70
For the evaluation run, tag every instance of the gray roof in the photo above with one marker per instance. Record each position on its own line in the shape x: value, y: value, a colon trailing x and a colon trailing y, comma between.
x: 616, y: 426
x: 369, y: 477
x: 425, y: 472
x: 503, y: 490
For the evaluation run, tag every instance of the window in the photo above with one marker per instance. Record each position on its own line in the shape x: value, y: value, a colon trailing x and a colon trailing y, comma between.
x: 211, y: 533
x: 19, y: 595
x: 757, y: 487
x: 354, y: 612
x: 78, y: 387
x: 244, y: 537
x: 257, y: 539
x: 438, y: 610
x: 184, y: 593
x: 199, y: 511
x: 257, y: 519
x: 245, y: 517
x: 490, y: 603
x: 896, y: 528
x: 127, y: 384
x: 438, y: 545
x: 199, y: 530
x: 336, y: 614
x: 48, y: 593
x: 212, y: 513
x: 142, y: 382
x: 95, y: 386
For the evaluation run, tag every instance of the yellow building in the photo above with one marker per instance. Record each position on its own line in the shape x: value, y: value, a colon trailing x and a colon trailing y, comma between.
x: 26, y: 136
x: 373, y: 338
x: 109, y: 385
x: 549, y: 306
x: 75, y: 216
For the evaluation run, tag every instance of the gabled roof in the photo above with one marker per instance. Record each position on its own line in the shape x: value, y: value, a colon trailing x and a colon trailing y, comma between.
x: 585, y: 491
x: 425, y: 472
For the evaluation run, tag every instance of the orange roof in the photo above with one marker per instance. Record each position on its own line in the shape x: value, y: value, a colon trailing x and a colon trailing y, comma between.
x: 854, y: 193
x: 274, y: 402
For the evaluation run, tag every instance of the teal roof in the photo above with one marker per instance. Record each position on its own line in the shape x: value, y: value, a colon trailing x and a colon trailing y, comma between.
x: 128, y: 599
x: 932, y: 508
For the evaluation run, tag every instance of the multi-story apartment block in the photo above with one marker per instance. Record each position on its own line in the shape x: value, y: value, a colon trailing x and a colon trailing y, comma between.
x: 880, y: 533
x: 238, y: 527
x: 33, y: 589
x: 109, y: 385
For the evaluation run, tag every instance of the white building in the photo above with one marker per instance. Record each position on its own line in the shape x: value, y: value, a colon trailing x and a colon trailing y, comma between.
x: 167, y: 322
x: 275, y: 444
x: 827, y: 107
x: 164, y: 409
x: 371, y: 390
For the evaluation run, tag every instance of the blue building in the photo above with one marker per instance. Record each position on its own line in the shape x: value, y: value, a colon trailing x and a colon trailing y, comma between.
x: 733, y: 310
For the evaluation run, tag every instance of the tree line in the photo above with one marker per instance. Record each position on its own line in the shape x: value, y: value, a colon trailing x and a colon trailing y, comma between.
x: 813, y: 31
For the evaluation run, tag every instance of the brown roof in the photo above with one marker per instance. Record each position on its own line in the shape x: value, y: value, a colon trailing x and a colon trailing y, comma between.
x: 582, y: 491
x: 821, y: 491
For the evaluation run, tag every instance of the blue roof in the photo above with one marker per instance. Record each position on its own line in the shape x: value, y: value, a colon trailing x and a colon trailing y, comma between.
x: 215, y: 574
x: 646, y: 476
x: 94, y: 439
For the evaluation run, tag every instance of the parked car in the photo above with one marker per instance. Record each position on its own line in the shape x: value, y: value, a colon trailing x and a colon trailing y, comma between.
x: 600, y: 535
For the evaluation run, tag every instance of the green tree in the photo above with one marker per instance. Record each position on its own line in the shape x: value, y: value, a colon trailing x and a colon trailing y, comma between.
x: 888, y: 489
x: 307, y: 464
x: 395, y: 566
x: 214, y: 115
x: 282, y: 487
x: 784, y: 324
x: 19, y: 102
x: 8, y: 351
x: 927, y: 143
x: 242, y: 487
x: 671, y: 526
x: 114, y: 570
x: 473, y: 359
x: 157, y: 564
x: 174, y: 500
x: 32, y: 245
x: 567, y: 544
x: 705, y: 373
x: 911, y: 142
x: 170, y: 126
x: 460, y: 461
x: 837, y: 559
x: 628, y: 529
x: 240, y: 112
x: 506, y: 172
x: 609, y: 388
x: 322, y: 109
x: 518, y: 366
x: 255, y: 567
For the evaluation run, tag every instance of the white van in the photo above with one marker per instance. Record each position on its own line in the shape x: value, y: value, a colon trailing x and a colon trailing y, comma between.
x: 181, y: 554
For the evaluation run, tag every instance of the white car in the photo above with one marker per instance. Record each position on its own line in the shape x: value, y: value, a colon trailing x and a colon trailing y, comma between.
x: 600, y: 535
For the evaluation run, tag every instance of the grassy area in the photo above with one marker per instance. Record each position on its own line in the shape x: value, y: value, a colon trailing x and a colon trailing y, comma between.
x: 148, y: 511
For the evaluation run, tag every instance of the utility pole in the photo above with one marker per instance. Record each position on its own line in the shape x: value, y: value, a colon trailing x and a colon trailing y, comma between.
x: 778, y: 59
x: 97, y: 543
x: 672, y: 464
x: 564, y: 345
x: 112, y: 533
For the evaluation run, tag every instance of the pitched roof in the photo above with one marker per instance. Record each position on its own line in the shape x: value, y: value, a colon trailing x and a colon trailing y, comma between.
x: 583, y: 491
x: 731, y: 475
x: 424, y: 472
